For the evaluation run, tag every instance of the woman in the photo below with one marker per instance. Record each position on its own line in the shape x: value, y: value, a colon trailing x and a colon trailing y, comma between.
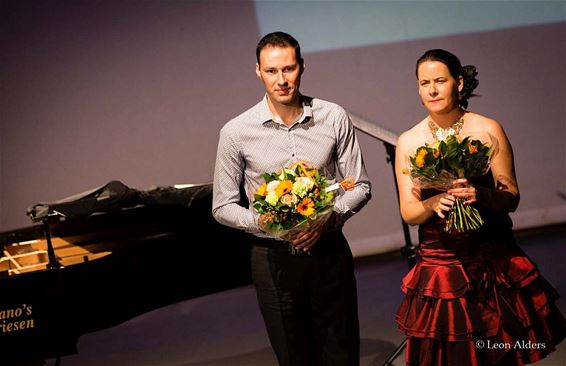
x: 474, y: 298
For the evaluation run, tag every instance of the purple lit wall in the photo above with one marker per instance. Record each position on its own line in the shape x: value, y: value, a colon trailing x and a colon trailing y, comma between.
x: 92, y: 91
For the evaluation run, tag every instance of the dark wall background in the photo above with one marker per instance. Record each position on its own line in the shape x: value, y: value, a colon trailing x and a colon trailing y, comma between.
x: 92, y: 91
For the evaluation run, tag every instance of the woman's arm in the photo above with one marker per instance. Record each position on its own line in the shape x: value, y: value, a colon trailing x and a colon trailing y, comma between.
x: 414, y: 210
x: 504, y: 196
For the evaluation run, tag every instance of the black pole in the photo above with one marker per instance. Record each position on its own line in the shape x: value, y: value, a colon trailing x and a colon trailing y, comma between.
x: 396, y: 353
x: 408, y: 250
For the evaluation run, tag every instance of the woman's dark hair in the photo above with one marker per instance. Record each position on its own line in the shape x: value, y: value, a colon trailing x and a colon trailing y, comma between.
x: 279, y: 39
x: 468, y: 72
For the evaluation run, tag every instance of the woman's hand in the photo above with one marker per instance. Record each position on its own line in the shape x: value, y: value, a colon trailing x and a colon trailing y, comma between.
x: 441, y: 203
x: 463, y: 189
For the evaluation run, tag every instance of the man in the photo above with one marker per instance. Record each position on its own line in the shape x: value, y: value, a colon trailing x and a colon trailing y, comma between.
x: 308, y: 301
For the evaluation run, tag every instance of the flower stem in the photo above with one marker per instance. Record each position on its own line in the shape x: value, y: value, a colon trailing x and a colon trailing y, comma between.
x: 463, y: 218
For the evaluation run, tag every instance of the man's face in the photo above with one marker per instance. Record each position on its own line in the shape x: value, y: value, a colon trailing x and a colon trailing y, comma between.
x: 280, y: 72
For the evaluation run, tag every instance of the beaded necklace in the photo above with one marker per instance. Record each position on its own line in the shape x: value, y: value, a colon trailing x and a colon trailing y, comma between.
x: 442, y: 133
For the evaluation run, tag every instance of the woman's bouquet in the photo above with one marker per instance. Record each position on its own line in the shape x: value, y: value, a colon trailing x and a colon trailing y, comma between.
x: 294, y: 199
x: 438, y: 165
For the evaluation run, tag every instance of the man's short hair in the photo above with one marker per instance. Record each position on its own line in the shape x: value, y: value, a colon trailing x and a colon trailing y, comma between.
x: 279, y: 39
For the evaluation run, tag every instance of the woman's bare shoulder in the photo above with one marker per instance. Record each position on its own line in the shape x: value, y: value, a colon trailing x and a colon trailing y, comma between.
x: 484, y: 123
x: 414, y: 136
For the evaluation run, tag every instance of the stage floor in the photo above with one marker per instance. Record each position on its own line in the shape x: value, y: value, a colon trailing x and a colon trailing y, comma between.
x: 226, y: 328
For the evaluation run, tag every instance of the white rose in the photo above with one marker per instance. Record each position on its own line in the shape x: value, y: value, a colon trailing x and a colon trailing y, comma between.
x: 272, y: 186
x: 306, y: 181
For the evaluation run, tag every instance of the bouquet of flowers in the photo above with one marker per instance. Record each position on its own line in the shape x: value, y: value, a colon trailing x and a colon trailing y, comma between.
x: 293, y: 199
x: 438, y: 165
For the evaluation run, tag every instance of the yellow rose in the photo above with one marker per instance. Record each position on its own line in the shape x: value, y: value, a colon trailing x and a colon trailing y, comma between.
x: 419, y: 160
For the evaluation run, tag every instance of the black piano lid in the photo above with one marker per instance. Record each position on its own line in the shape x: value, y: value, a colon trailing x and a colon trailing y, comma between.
x: 116, y: 195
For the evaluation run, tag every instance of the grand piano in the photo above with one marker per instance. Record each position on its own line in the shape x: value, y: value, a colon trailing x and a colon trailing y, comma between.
x: 97, y: 259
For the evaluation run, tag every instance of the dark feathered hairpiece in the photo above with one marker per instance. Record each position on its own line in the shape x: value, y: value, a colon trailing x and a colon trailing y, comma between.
x: 469, y: 74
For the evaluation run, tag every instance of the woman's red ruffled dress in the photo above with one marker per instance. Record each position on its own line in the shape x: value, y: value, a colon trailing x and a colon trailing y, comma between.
x: 477, y: 299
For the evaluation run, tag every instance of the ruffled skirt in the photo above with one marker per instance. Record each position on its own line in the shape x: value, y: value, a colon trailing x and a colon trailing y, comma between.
x: 473, y: 301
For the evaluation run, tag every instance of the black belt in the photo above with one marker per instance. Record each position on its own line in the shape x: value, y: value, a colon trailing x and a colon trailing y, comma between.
x: 327, y: 242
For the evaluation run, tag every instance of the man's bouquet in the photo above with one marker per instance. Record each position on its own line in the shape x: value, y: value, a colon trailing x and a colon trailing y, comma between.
x: 438, y: 165
x: 293, y: 199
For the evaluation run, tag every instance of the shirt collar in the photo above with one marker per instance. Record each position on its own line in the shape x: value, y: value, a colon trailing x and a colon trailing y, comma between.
x: 266, y: 115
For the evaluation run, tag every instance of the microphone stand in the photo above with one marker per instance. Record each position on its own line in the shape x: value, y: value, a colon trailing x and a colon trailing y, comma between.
x: 389, y: 139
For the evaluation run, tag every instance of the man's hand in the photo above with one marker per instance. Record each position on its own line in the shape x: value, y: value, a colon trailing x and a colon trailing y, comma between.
x: 304, y: 240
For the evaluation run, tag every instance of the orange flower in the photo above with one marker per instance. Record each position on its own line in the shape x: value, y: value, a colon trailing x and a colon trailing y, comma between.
x: 306, y: 171
x: 306, y: 207
x: 262, y: 190
x: 348, y: 184
x: 472, y: 148
x: 283, y: 188
x: 419, y: 160
x: 436, y: 154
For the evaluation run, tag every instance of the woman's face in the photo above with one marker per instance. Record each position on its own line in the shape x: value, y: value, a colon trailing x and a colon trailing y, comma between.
x: 437, y: 88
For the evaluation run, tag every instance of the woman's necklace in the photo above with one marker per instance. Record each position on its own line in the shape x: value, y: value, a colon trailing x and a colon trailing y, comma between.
x: 442, y: 133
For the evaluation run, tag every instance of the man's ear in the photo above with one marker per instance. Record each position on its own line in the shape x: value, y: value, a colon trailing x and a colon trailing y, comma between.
x: 257, y: 71
x: 302, y: 66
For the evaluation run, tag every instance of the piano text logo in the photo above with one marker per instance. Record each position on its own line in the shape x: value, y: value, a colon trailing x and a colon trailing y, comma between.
x: 16, y: 319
